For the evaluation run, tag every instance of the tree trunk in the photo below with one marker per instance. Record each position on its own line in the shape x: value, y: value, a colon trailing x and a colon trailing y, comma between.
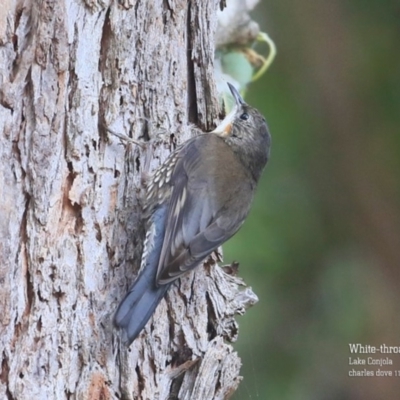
x: 71, y: 232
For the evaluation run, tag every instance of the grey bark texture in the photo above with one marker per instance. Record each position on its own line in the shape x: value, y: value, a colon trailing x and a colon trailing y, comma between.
x: 70, y: 195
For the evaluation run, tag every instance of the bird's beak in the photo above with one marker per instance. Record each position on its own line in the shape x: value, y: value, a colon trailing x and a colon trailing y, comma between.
x: 236, y: 95
x: 225, y: 127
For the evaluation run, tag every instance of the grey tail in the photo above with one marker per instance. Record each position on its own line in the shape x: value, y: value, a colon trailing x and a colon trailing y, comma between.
x: 143, y: 297
x: 138, y: 305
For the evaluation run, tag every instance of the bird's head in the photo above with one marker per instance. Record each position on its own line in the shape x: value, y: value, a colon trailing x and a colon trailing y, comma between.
x: 246, y: 131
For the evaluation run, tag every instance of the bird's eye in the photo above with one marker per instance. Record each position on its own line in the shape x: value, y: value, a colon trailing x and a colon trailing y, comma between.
x: 244, y: 117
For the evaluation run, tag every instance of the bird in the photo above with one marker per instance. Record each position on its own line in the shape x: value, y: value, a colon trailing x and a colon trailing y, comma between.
x: 194, y: 202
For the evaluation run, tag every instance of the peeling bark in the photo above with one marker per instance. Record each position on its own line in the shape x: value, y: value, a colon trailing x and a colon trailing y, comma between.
x: 70, y: 228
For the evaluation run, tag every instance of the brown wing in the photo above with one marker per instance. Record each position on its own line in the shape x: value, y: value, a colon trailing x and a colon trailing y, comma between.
x: 204, y: 210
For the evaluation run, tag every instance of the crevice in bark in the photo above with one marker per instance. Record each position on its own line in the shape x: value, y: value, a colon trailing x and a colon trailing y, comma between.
x: 70, y: 209
x: 39, y: 324
x: 17, y: 154
x: 173, y: 142
x: 176, y: 387
x: 29, y: 109
x: 40, y: 297
x: 65, y: 134
x: 98, y: 232
x: 29, y: 293
x: 72, y: 82
x: 140, y: 378
x: 72, y: 85
x: 105, y: 70
x: 211, y: 318
x: 168, y: 11
x: 24, y: 55
x: 181, y: 356
x: 5, y: 371
x: 191, y: 81
x: 218, y: 383
x: 17, y: 20
x: 137, y: 163
x: 24, y: 255
x: 137, y: 4
x: 105, y: 41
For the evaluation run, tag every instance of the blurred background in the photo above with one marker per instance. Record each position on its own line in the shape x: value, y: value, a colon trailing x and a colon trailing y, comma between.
x: 321, y: 247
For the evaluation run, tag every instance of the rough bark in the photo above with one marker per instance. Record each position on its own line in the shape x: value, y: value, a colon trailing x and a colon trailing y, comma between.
x: 70, y: 224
